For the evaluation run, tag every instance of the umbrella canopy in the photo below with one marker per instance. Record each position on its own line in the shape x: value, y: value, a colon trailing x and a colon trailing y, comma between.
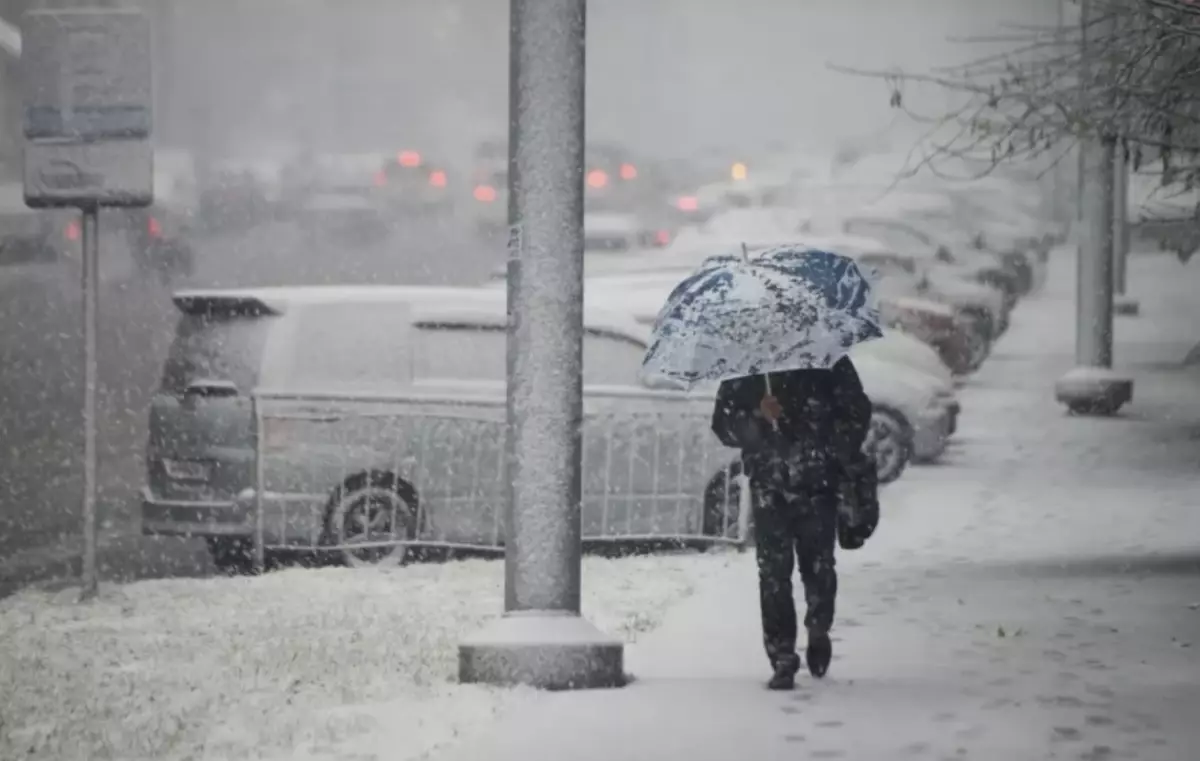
x: 788, y: 308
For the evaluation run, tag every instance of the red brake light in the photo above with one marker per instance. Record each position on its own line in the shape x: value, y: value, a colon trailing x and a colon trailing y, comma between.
x: 408, y: 159
x: 153, y: 228
x: 662, y: 238
x: 628, y: 172
x: 380, y: 179
x: 597, y: 178
x: 437, y: 178
x: 72, y: 232
x: 688, y: 203
x: 485, y: 193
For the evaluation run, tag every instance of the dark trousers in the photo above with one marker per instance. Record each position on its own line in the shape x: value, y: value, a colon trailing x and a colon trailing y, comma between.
x: 796, y: 523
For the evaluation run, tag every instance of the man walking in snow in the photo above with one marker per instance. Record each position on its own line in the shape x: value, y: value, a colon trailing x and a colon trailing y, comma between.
x: 798, y: 431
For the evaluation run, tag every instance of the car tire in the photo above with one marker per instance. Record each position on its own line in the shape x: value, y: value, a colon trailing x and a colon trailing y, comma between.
x: 978, y: 341
x: 725, y: 481
x: 232, y: 556
x: 1106, y: 408
x: 889, y: 442
x: 376, y: 493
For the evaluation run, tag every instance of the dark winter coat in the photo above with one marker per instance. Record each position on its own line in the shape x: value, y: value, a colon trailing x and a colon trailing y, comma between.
x: 826, y: 416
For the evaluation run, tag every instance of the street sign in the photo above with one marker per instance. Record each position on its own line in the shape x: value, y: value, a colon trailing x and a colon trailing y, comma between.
x: 86, y: 79
x: 87, y: 74
x: 88, y: 97
x: 112, y: 173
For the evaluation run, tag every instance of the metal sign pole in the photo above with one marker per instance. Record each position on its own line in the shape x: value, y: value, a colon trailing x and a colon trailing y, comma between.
x: 91, y: 290
x: 542, y: 640
x: 86, y: 77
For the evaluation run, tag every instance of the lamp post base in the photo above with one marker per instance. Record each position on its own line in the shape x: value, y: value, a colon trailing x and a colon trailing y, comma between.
x: 547, y: 649
x: 1094, y: 391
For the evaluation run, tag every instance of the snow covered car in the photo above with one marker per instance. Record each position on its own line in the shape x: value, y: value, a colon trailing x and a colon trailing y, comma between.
x: 908, y: 421
x: 964, y: 337
x: 899, y: 348
x: 338, y: 195
x: 380, y: 417
x: 617, y: 231
x: 915, y: 408
x: 929, y: 216
x: 489, y: 201
x: 29, y: 235
x: 904, y: 251
x: 409, y: 184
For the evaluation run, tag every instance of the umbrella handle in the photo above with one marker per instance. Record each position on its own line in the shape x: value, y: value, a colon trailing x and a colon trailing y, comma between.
x: 767, y: 380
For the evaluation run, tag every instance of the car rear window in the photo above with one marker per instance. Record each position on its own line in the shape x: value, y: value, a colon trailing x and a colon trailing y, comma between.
x: 394, y: 172
x: 215, y: 346
x: 478, y: 353
x: 351, y: 345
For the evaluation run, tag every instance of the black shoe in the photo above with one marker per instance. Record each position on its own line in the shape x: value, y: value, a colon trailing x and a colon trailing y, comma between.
x: 784, y: 677
x: 819, y: 653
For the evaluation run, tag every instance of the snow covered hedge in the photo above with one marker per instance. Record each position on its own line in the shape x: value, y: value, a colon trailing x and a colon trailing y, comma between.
x: 300, y: 664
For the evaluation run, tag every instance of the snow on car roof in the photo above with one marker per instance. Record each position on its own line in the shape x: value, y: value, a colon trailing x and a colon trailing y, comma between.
x: 484, y: 306
x: 609, y: 221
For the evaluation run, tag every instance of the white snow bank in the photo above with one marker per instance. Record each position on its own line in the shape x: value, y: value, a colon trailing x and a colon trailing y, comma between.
x: 300, y: 664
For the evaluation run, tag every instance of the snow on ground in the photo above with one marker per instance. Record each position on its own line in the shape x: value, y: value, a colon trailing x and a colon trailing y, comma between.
x: 1034, y: 597
x: 299, y: 664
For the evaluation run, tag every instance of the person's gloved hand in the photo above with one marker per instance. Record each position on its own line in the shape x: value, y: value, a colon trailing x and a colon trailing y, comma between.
x: 770, y: 408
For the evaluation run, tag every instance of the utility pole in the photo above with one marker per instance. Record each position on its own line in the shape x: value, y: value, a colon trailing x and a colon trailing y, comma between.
x: 1062, y: 214
x: 1093, y: 387
x: 542, y: 640
x: 1123, y: 304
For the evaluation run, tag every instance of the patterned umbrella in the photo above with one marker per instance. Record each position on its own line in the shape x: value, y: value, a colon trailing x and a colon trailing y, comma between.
x: 786, y: 308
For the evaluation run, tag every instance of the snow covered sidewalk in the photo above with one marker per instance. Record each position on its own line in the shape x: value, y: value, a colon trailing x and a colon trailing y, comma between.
x: 299, y: 664
x: 1035, y: 597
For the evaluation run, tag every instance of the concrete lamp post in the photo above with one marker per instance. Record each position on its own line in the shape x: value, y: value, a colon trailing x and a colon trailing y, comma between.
x: 1123, y: 304
x: 1093, y: 387
x: 542, y: 640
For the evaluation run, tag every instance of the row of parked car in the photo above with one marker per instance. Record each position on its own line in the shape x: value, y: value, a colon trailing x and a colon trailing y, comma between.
x: 365, y: 421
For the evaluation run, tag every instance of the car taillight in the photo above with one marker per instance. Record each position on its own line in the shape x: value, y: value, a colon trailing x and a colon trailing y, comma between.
x: 408, y: 159
x: 437, y: 179
x: 628, y: 172
x: 662, y: 238
x: 597, y: 178
x: 380, y: 179
x: 153, y: 228
x: 73, y: 231
x: 688, y: 203
x: 485, y: 193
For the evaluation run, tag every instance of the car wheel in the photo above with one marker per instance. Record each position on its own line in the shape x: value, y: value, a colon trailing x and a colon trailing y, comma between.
x: 725, y: 488
x: 1106, y: 408
x: 368, y: 515
x: 231, y: 556
x: 890, y: 443
x: 978, y: 344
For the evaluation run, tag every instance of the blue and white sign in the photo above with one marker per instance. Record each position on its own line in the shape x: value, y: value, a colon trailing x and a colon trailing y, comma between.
x: 87, y: 86
x: 87, y: 75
